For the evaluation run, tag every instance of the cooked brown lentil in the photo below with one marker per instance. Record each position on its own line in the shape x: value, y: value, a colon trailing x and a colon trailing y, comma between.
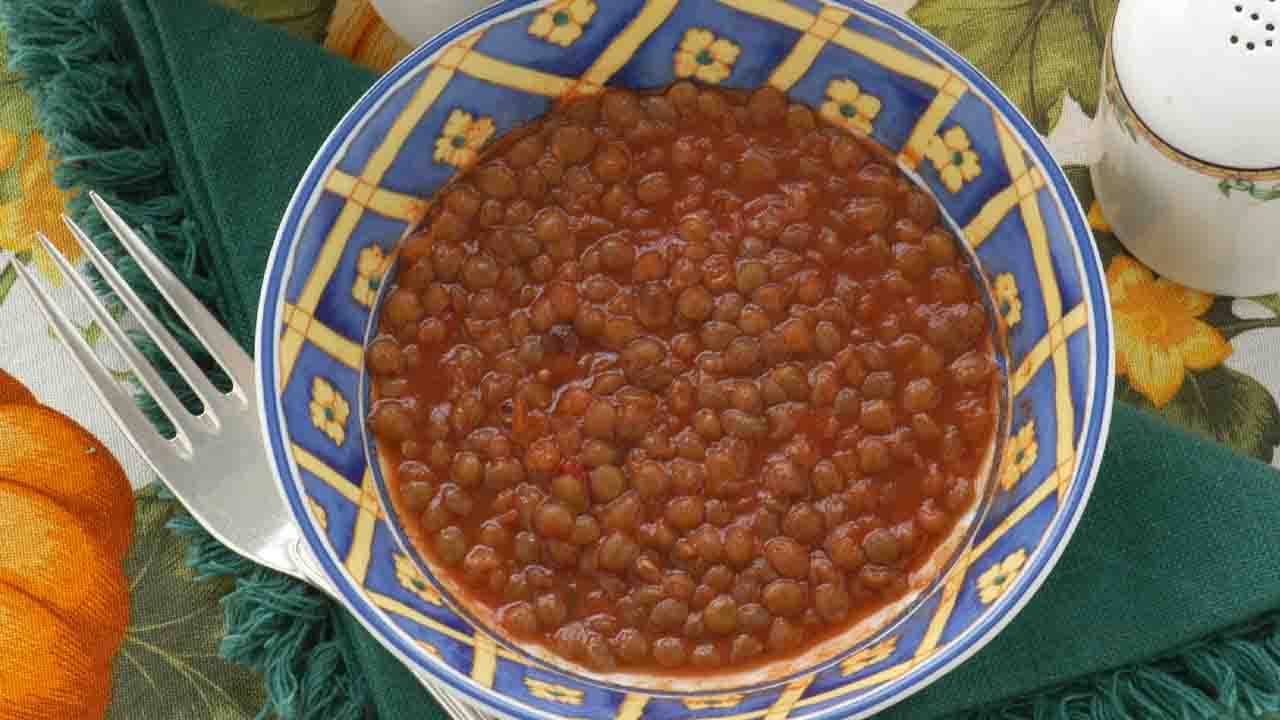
x: 682, y: 382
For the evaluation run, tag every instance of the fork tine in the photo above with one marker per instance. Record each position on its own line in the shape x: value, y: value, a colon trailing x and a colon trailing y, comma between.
x: 151, y: 379
x: 187, y: 367
x: 216, y: 339
x: 119, y: 403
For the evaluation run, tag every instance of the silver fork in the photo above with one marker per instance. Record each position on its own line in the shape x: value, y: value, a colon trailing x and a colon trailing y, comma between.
x: 217, y: 464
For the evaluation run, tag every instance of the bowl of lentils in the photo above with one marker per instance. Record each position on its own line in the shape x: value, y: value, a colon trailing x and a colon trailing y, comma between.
x: 685, y: 359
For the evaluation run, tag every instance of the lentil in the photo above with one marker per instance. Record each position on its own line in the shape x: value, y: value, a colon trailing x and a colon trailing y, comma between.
x: 665, y: 394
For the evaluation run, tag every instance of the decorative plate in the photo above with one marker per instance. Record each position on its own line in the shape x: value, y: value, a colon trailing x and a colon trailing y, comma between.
x: 856, y: 64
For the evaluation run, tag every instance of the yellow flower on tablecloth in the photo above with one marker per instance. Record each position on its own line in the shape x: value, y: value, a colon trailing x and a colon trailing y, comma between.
x: 705, y: 57
x: 1158, y: 333
x: 562, y: 23
x: 411, y: 579
x: 371, y: 264
x: 553, y: 692
x: 329, y: 410
x: 1020, y: 455
x: 9, y: 147
x: 868, y: 656
x: 998, y: 577
x: 1007, y: 300
x: 463, y: 136
x: 952, y: 155
x: 1096, y: 219
x: 849, y: 107
x: 38, y: 209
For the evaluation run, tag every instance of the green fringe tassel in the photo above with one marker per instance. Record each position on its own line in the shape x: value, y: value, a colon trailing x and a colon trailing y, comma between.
x: 1232, y: 674
x: 285, y: 629
x: 95, y: 111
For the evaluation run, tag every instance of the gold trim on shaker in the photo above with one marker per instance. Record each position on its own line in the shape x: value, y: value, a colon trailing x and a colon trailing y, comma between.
x: 1133, y: 123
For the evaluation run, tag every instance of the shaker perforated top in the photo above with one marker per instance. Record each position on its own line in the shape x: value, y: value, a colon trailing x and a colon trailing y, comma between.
x: 1202, y: 74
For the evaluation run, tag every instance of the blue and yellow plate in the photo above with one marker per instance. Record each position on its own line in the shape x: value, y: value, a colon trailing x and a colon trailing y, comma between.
x: 858, y: 66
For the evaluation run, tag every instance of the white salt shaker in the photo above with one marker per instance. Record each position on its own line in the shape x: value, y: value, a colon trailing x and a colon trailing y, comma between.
x: 1189, y: 134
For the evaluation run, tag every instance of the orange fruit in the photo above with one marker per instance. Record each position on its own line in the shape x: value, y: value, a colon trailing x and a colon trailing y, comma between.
x: 47, y: 670
x: 12, y: 391
x: 66, y: 516
x: 46, y: 451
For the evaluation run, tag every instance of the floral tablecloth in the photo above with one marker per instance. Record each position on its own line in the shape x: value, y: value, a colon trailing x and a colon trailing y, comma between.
x: 1203, y: 362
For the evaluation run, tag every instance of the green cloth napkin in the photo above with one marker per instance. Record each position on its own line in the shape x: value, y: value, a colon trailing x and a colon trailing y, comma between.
x: 1163, y: 605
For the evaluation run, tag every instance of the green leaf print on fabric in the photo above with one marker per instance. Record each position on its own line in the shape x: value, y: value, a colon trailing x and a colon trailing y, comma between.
x: 1223, y: 404
x: 91, y: 333
x: 169, y: 665
x: 7, y: 278
x: 1270, y: 302
x: 1222, y: 316
x: 1035, y: 50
